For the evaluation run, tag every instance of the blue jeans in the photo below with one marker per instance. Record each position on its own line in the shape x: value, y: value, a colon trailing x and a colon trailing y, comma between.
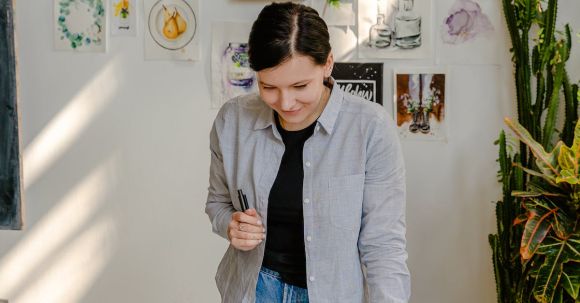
x: 271, y: 289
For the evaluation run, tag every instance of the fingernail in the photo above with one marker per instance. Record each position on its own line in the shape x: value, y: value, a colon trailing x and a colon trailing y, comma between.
x: 259, y: 222
x: 260, y: 241
x: 263, y: 230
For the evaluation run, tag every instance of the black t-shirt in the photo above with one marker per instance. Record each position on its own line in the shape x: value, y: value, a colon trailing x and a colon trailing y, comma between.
x: 285, y: 251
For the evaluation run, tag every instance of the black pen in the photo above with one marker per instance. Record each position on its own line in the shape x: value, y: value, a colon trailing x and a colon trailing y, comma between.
x: 243, y: 200
x: 246, y: 205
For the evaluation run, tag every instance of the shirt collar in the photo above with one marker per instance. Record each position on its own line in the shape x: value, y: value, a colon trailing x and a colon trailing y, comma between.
x: 330, y: 113
x: 265, y: 118
x: 327, y: 119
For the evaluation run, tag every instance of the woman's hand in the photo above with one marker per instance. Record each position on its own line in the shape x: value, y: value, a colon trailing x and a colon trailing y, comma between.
x: 246, y: 230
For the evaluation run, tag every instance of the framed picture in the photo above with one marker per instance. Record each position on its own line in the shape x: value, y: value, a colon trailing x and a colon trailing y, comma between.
x: 80, y: 25
x: 420, y: 103
x: 10, y: 162
x: 171, y: 30
x: 339, y: 13
x: 395, y: 29
x: 230, y: 68
x: 469, y: 32
x: 360, y: 79
x: 343, y: 42
x: 123, y: 18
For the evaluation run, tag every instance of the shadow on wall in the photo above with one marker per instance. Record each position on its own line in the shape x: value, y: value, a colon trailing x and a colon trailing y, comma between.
x: 64, y: 250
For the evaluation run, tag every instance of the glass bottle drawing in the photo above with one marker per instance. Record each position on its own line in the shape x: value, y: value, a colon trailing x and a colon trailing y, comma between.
x: 407, y: 26
x: 380, y: 34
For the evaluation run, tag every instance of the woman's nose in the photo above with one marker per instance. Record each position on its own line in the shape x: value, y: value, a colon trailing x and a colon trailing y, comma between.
x: 286, y: 101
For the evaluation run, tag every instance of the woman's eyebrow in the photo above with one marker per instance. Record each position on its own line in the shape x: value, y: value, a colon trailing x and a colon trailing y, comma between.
x: 302, y: 82
x: 306, y: 81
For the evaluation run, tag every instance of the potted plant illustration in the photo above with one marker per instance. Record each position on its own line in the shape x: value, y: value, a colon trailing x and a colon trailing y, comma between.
x: 413, y: 107
x: 431, y: 100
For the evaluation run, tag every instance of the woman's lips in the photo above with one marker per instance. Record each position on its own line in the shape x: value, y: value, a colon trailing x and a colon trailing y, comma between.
x: 291, y: 112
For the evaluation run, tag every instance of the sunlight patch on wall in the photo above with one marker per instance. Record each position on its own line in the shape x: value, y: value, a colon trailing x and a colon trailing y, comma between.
x: 69, y: 124
x: 57, y: 229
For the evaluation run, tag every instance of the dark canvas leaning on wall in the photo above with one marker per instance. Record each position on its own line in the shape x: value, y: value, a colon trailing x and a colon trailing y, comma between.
x: 10, y: 187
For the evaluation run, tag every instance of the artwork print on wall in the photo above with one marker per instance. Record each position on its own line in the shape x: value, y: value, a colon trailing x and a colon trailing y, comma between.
x: 343, y: 42
x: 231, y: 72
x: 420, y: 103
x: 397, y: 29
x: 339, y: 13
x: 465, y: 21
x: 341, y: 20
x: 123, y: 18
x: 360, y: 79
x: 172, y: 31
x: 10, y: 181
x: 468, y: 27
x: 80, y: 25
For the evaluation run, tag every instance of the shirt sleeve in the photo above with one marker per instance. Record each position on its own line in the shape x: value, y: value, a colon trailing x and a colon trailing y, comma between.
x: 382, y: 243
x: 219, y: 206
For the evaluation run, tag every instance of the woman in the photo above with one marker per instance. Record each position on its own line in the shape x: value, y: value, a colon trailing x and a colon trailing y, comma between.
x: 322, y: 171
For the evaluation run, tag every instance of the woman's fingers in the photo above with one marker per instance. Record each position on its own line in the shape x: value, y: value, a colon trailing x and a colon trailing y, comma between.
x: 250, y: 228
x: 248, y: 236
x: 244, y: 244
x: 245, y: 218
x: 246, y: 230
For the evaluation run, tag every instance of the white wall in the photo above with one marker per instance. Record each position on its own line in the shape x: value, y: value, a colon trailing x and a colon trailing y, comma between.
x: 116, y: 161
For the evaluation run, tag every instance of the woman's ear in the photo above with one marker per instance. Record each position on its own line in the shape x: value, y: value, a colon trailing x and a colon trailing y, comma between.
x: 329, y: 65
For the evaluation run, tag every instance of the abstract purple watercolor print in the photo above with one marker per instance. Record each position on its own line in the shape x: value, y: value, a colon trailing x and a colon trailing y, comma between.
x: 231, y: 72
x: 237, y: 76
x: 465, y: 21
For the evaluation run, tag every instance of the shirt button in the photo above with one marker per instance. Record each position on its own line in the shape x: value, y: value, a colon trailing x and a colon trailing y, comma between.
x: 317, y: 128
x: 309, y: 238
x: 311, y: 278
x: 306, y: 200
x: 307, y: 163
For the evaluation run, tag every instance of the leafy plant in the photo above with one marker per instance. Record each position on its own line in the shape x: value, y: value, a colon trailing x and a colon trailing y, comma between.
x: 539, y: 52
x: 551, y: 239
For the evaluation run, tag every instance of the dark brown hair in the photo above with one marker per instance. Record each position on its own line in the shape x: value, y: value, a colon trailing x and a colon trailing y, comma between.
x: 284, y: 29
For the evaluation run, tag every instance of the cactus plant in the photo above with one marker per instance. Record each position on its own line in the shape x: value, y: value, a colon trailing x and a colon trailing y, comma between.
x: 519, y: 272
x: 504, y: 244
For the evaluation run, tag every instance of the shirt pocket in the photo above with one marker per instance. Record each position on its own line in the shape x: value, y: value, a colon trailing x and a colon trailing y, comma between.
x: 346, y: 193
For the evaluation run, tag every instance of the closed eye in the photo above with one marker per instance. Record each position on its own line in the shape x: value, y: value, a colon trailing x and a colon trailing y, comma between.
x: 300, y: 86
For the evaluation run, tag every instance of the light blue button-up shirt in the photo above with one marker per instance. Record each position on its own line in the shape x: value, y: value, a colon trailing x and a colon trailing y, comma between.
x: 354, y: 198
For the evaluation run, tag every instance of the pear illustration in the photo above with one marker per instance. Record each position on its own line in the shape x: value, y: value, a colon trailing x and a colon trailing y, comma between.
x: 166, y: 14
x: 173, y: 24
x: 170, y: 30
x: 181, y: 24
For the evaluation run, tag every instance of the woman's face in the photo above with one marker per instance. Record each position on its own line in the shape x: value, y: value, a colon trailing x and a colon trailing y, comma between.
x: 295, y: 90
